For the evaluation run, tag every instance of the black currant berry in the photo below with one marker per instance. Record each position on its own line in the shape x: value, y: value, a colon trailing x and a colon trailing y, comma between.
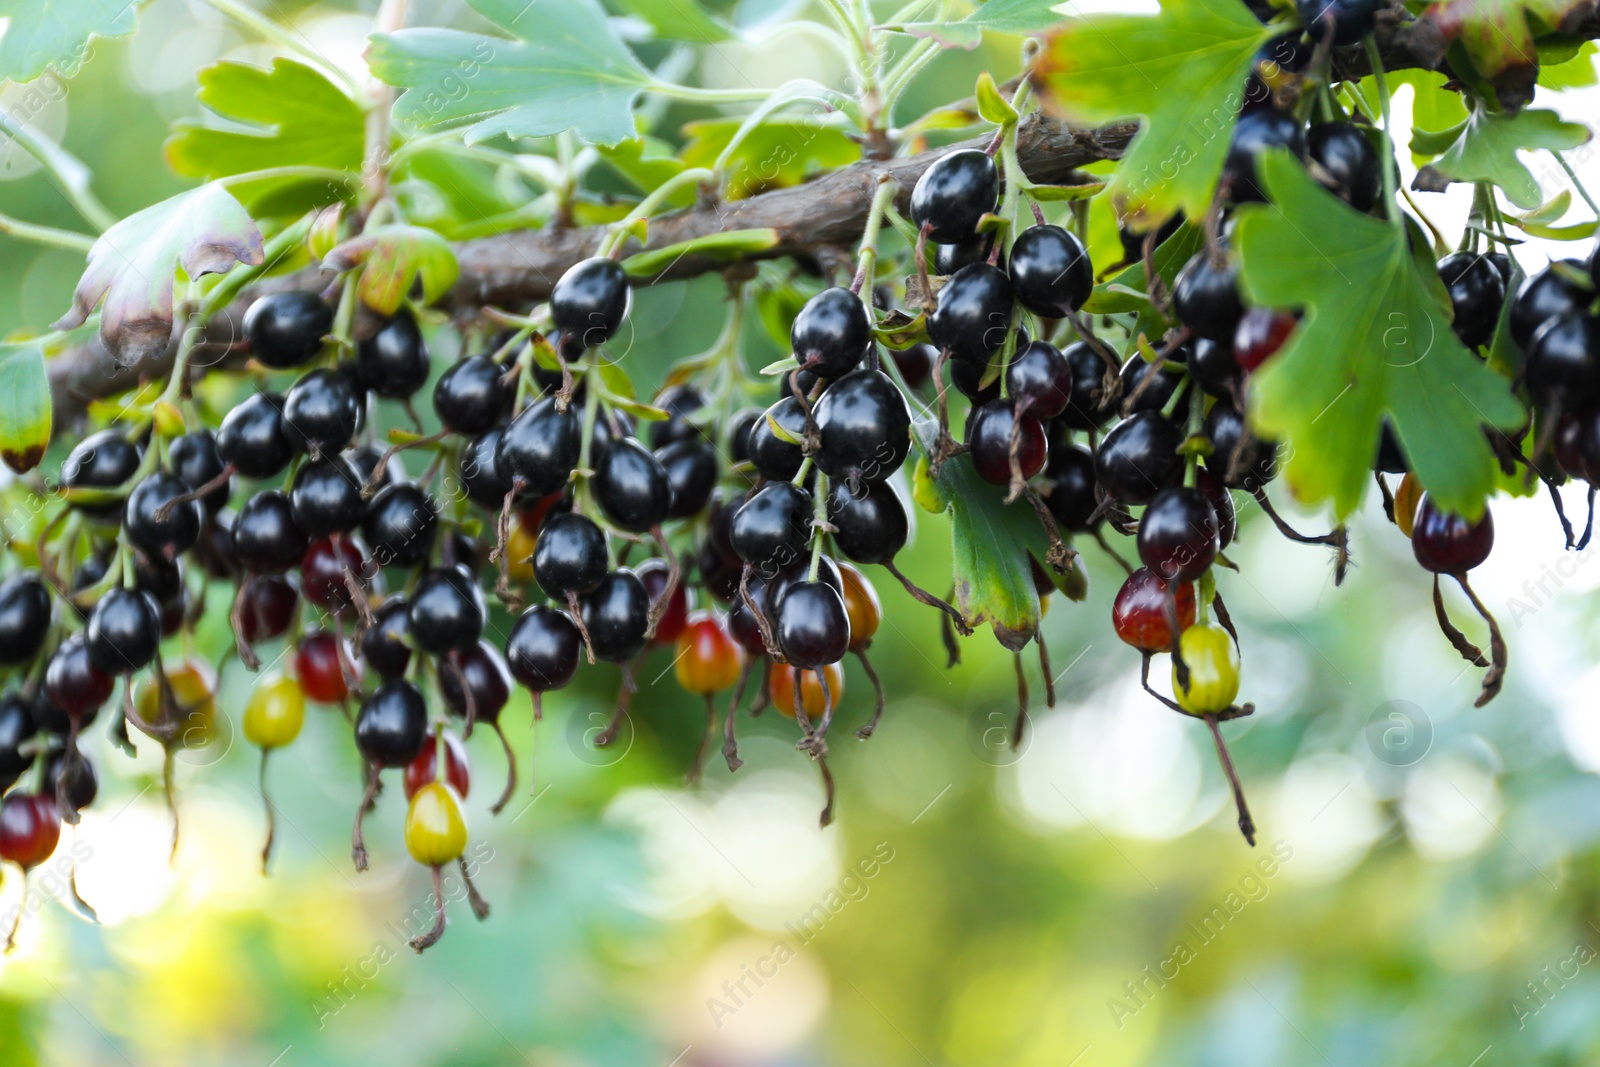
x: 681, y: 403
x: 1346, y: 163
x: 447, y: 611
x: 1448, y: 544
x: 774, y: 457
x: 1221, y: 502
x: 1087, y: 408
x: 542, y: 649
x: 73, y: 684
x: 103, y: 460
x: 401, y: 525
x: 1212, y: 365
x: 915, y: 364
x: 772, y: 528
x: 1039, y: 379
x: 590, y: 301
x: 394, y: 361
x: 954, y: 193
x: 813, y: 628
x: 327, y: 570
x: 831, y: 333
x: 968, y: 380
x: 1178, y: 534
x: 151, y: 531
x: 1349, y: 20
x: 738, y: 435
x: 479, y: 472
x: 1138, y: 457
x: 1241, y: 459
x: 69, y: 777
x: 692, y: 470
x: 326, y: 497
x: 267, y: 607
x: 617, y: 615
x: 1206, y: 296
x: 870, y: 523
x: 1147, y: 387
x: 386, y: 644
x: 472, y: 395
x: 989, y: 436
x: 1070, y: 488
x: 1050, y: 271
x: 488, y: 682
x: 1477, y: 293
x: 196, y: 462
x: 949, y: 258
x: 570, y: 556
x: 24, y: 617
x: 864, y: 426
x: 286, y: 329
x: 16, y: 726
x: 252, y: 438
x: 392, y: 725
x: 972, y: 314
x: 1551, y: 293
x: 322, y: 411
x: 540, y: 448
x: 123, y: 632
x: 1257, y: 131
x: 1563, y: 366
x: 632, y: 487
x: 266, y: 539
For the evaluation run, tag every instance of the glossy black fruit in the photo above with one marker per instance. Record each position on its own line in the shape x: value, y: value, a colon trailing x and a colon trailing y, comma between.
x: 1138, y: 457
x: 447, y: 611
x: 73, y: 684
x: 1448, y: 544
x: 1241, y: 459
x: 831, y: 333
x: 252, y: 438
x: 1070, y: 488
x: 774, y: 457
x: 479, y: 471
x: 196, y: 462
x: 772, y: 529
x: 989, y: 436
x: 954, y: 193
x: 681, y: 403
x: 1050, y: 271
x: 1349, y: 20
x: 69, y: 778
x: 154, y: 534
x: 1477, y: 293
x: 286, y: 329
x: 1039, y: 378
x: 24, y: 617
x: 401, y: 525
x: 542, y: 649
x: 16, y: 726
x: 870, y: 524
x: 1147, y: 387
x: 949, y: 258
x: 327, y: 570
x: 617, y: 615
x: 968, y: 380
x: 1551, y: 293
x: 972, y: 314
x: 1257, y: 131
x: 392, y: 726
x: 1178, y: 534
x: 1212, y: 365
x: 1087, y: 407
x: 692, y: 469
x: 472, y: 395
x: 487, y: 678
x: 326, y: 497
x: 1206, y: 296
x: 632, y: 487
x: 386, y: 644
x: 103, y: 460
x: 570, y: 556
x: 1346, y: 163
x: 590, y: 301
x: 1563, y: 366
x: 812, y: 626
x: 266, y: 539
x: 322, y: 411
x: 394, y: 361
x: 540, y: 448
x: 864, y: 426
x: 123, y: 632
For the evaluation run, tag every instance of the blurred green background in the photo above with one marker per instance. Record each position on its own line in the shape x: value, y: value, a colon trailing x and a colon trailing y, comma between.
x: 1426, y: 889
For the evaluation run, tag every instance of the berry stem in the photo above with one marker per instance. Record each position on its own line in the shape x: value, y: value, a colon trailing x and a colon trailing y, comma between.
x: 877, y: 687
x: 618, y: 235
x: 1577, y: 183
x: 1390, y: 177
x: 266, y: 802
x: 1247, y: 825
x: 819, y: 524
x: 427, y: 940
x: 48, y: 236
x: 868, y: 257
x: 511, y: 770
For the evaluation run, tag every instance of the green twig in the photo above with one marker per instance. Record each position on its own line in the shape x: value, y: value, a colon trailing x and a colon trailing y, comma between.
x: 69, y: 171
x: 1577, y: 183
x: 1390, y: 177
x: 292, y: 40
x: 48, y: 236
x: 658, y: 196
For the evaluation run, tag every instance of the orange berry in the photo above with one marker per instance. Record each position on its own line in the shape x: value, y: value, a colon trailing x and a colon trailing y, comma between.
x: 781, y: 689
x: 708, y: 657
x: 861, y: 604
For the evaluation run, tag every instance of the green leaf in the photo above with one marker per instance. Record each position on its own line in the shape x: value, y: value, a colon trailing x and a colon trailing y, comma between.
x: 1577, y: 231
x: 782, y: 152
x: 990, y: 543
x: 1181, y: 71
x: 1000, y: 16
x: 1053, y: 193
x: 729, y: 245
x: 680, y: 20
x: 991, y: 105
x: 1547, y: 212
x: 1498, y: 35
x: 392, y: 258
x: 24, y: 406
x: 1576, y: 72
x: 291, y: 116
x: 1375, y: 341
x: 1486, y: 150
x: 55, y: 34
x: 646, y: 163
x: 131, y: 267
x: 563, y: 69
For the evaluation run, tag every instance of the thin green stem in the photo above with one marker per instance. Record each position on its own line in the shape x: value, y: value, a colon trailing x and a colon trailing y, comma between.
x: 868, y: 257
x: 48, y: 236
x: 698, y: 95
x: 330, y: 174
x: 1577, y: 183
x: 819, y: 517
x: 1390, y: 176
x: 658, y: 196
x: 69, y: 171
x: 285, y: 38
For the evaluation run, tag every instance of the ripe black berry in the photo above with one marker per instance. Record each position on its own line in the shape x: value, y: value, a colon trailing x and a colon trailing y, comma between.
x: 392, y: 725
x: 774, y: 457
x: 194, y: 459
x: 692, y: 469
x: 540, y: 448
x: 1241, y: 459
x: 870, y: 522
x: 322, y: 411
x: 447, y: 611
x: 1547, y: 295
x: 632, y: 487
x: 681, y: 403
x: 1563, y: 366
x: 266, y: 539
x: 1138, y: 457
x: 949, y: 258
x: 1212, y: 366
x: 865, y: 427
x: 831, y: 333
x: 252, y: 438
x: 326, y: 497
x: 73, y: 684
x: 973, y: 313
x: 772, y: 528
x: 968, y: 378
x: 1346, y: 163
x: 570, y: 556
x: 157, y: 535
x: 1178, y: 534
x: 812, y: 628
x: 401, y: 525
x: 1050, y: 271
x: 1148, y: 387
x: 69, y: 777
x: 103, y: 460
x: 488, y: 681
x: 1448, y: 544
x: 1477, y: 293
x: 1086, y: 408
x: 394, y: 361
x: 16, y: 726
x: 1349, y: 20
x: 1257, y: 131
x: 267, y: 608
x: 123, y: 631
x: 479, y: 471
x: 1206, y: 296
x: 590, y: 301
x: 542, y: 649
x: 286, y: 329
x: 989, y: 435
x: 326, y: 572
x: 1040, y: 380
x: 24, y: 617
x: 472, y: 396
x: 617, y: 615
x: 1070, y: 488
x: 386, y: 644
x: 954, y: 193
